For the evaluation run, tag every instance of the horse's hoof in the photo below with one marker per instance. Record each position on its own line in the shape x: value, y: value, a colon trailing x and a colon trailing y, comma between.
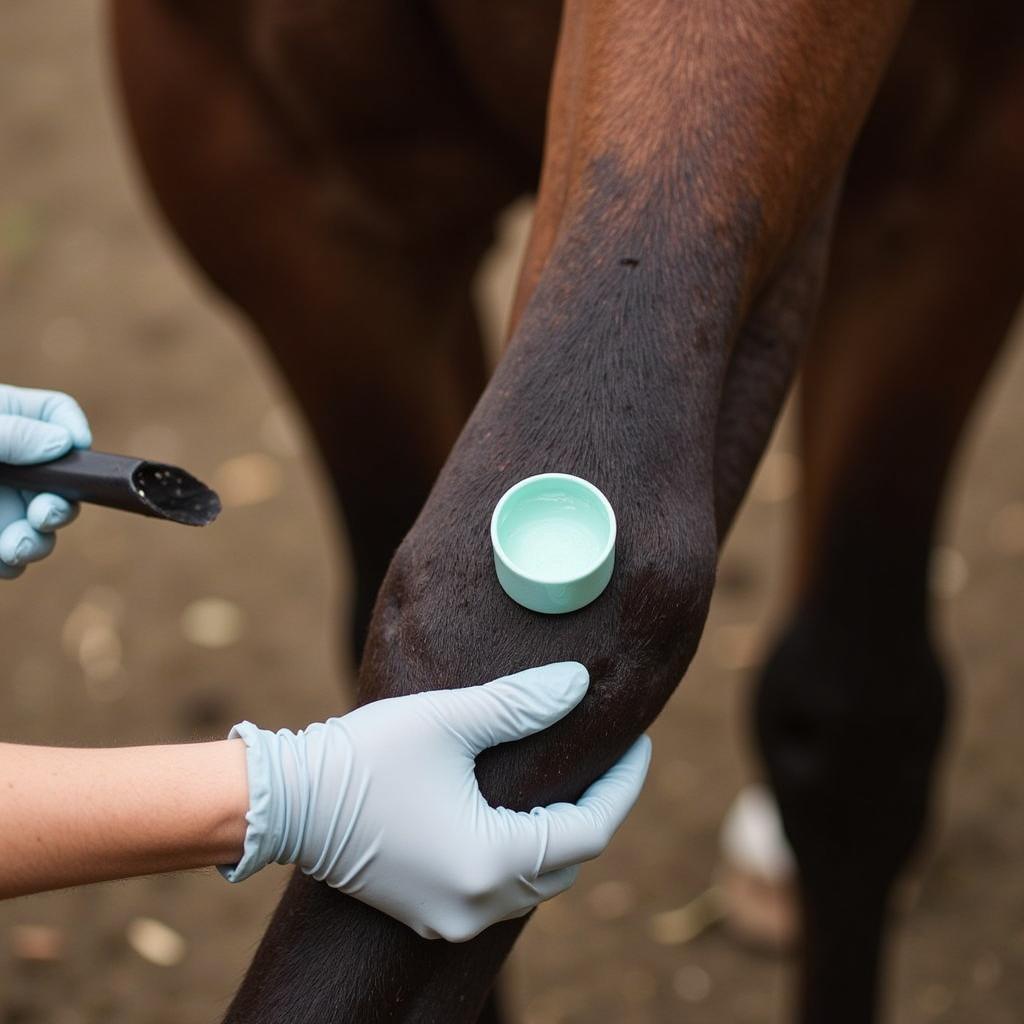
x: 757, y: 874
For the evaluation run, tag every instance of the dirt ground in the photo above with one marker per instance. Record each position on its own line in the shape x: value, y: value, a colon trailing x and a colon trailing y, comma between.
x: 137, y: 632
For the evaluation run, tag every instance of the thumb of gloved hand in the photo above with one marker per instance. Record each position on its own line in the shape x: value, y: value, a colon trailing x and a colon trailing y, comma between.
x: 512, y: 707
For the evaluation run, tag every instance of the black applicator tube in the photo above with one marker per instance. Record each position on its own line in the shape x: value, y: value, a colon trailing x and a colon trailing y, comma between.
x: 120, y: 481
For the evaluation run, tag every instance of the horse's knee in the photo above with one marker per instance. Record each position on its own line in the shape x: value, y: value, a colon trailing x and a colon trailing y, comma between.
x: 849, y: 729
x: 442, y: 620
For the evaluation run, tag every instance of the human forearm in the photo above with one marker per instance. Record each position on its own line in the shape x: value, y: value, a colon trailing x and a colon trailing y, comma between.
x: 69, y: 817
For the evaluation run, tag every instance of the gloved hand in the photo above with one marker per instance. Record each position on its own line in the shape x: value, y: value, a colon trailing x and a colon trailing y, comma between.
x: 35, y: 426
x: 383, y: 804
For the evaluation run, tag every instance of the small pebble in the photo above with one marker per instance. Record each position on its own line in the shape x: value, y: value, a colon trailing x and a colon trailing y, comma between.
x: 156, y: 942
x: 37, y: 942
x: 91, y: 636
x: 677, y: 927
x: 100, y: 651
x: 247, y: 480
x: 608, y: 901
x: 212, y: 622
x: 692, y: 983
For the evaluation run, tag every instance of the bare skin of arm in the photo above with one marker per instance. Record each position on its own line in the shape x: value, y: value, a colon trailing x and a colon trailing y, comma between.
x: 71, y: 816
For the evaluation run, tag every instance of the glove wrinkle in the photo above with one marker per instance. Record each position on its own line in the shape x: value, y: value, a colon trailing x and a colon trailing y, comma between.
x: 353, y: 881
x: 320, y: 870
x: 543, y: 828
x: 291, y: 765
x: 262, y: 817
x: 313, y: 755
x: 355, y: 815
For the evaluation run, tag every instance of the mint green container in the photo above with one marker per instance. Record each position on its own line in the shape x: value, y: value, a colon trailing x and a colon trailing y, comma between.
x: 554, y: 542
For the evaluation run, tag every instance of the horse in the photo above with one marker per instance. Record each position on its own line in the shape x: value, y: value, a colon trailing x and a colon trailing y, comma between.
x: 726, y: 192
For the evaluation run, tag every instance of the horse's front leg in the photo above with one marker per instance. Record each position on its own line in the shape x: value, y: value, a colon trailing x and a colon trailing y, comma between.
x: 656, y: 311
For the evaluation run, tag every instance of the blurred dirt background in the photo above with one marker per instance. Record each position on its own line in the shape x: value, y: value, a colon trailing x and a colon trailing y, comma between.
x: 139, y: 632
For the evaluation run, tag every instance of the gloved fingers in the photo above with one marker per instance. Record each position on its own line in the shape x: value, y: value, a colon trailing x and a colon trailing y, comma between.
x: 53, y: 407
x: 49, y: 512
x: 21, y: 544
x: 25, y: 441
x: 513, y: 706
x: 12, y: 527
x: 573, y: 833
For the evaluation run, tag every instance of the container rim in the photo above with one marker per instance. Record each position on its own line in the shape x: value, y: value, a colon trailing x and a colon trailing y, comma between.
x: 605, y: 504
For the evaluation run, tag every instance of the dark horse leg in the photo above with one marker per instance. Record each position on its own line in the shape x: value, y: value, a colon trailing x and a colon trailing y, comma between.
x: 925, y: 276
x: 674, y: 264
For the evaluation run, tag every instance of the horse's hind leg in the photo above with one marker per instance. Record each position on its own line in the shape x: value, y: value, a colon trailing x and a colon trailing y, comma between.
x: 925, y: 279
x: 338, y: 224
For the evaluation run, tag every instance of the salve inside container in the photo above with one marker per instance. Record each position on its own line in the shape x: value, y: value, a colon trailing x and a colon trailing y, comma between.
x: 553, y: 537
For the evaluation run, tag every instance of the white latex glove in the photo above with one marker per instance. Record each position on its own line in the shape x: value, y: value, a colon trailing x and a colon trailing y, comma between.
x: 35, y: 426
x: 384, y: 805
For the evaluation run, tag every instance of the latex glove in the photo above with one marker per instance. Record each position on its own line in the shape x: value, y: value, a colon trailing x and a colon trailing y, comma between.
x: 384, y: 805
x: 35, y: 426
